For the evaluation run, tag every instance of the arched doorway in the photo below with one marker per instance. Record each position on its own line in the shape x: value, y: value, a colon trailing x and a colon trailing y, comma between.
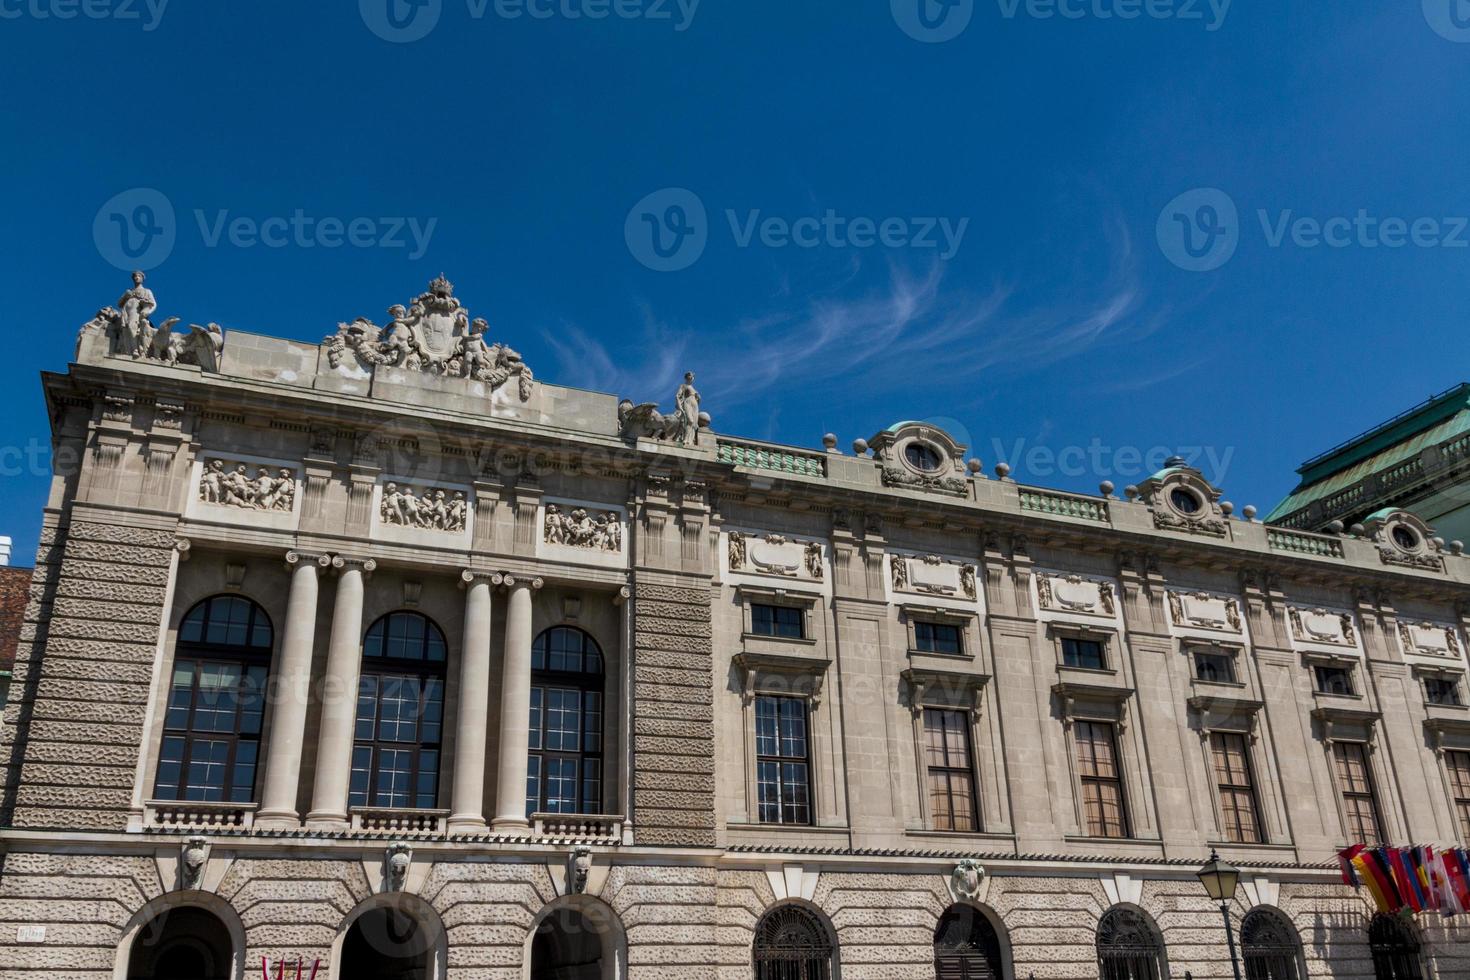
x: 389, y: 943
x: 1128, y: 946
x: 1395, y: 950
x: 1269, y: 942
x: 792, y: 943
x: 183, y: 943
x: 577, y: 938
x: 966, y: 946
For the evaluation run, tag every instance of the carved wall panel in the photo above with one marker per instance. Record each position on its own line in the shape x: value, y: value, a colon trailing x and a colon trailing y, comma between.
x: 418, y: 511
x: 582, y: 531
x: 245, y: 490
x: 1064, y: 596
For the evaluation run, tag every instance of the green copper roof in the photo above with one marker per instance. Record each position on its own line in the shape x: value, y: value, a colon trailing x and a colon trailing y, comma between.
x: 1401, y: 438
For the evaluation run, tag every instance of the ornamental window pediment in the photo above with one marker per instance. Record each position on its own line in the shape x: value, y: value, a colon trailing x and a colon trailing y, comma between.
x: 1403, y: 539
x: 934, y: 578
x: 1207, y: 611
x: 916, y: 456
x: 1065, y: 594
x: 1181, y: 499
x: 775, y: 556
x: 1322, y: 629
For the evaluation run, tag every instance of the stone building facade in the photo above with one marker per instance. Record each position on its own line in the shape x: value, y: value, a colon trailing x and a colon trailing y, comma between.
x: 382, y: 657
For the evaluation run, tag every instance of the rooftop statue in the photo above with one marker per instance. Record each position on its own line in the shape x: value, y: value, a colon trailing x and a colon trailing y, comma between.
x: 433, y: 334
x: 131, y: 332
x: 682, y: 426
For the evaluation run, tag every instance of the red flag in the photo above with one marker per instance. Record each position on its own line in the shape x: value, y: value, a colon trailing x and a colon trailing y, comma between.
x: 1345, y: 860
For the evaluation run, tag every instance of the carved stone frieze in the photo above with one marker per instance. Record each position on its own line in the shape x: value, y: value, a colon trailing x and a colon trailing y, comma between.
x: 233, y: 485
x: 579, y: 529
x: 430, y: 509
x: 433, y: 334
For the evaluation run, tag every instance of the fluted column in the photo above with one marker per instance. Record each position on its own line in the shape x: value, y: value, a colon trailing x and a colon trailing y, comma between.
x: 292, y: 687
x: 515, y: 707
x: 467, y: 813
x: 339, y: 697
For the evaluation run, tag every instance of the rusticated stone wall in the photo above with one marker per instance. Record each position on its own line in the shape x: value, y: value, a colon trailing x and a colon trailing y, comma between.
x: 673, y: 716
x: 75, y: 722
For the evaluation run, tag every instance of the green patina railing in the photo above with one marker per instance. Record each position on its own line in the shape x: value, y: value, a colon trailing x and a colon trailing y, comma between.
x: 780, y: 460
x: 1303, y: 543
x: 1064, y: 504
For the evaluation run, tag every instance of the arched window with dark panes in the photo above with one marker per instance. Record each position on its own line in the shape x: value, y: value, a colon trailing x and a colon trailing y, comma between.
x: 791, y: 943
x: 1395, y: 950
x: 216, y: 703
x: 1128, y: 947
x: 400, y: 714
x: 564, y: 770
x: 1268, y: 942
x: 966, y: 946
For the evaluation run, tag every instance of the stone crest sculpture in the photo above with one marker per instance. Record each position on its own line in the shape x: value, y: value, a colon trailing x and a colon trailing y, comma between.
x: 433, y: 334
x: 579, y: 529
x: 235, y: 487
x: 431, y: 509
x: 682, y: 426
x: 966, y: 879
x: 397, y: 861
x: 193, y: 857
x: 131, y: 332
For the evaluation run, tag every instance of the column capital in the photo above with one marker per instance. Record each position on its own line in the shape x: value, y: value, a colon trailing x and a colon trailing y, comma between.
x: 295, y: 559
x: 182, y: 546
x: 469, y: 576
x: 511, y: 582
x: 346, y: 563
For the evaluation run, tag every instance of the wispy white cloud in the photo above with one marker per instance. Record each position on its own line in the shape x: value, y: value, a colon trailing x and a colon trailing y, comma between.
x: 837, y: 339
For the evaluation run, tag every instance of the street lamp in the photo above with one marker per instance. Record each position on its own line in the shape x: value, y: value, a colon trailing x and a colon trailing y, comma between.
x: 1220, y: 880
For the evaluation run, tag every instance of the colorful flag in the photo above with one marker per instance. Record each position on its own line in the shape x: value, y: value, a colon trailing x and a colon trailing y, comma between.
x: 1403, y: 879
x: 1345, y: 860
x: 1368, y: 868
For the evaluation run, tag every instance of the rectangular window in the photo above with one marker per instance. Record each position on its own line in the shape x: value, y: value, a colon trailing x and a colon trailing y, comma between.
x: 1442, y: 690
x: 938, y: 638
x: 1237, y: 789
x: 783, y: 765
x: 1104, y: 811
x: 211, y: 732
x: 565, y: 766
x: 1214, y: 666
x: 1334, y: 680
x: 782, y: 621
x: 1459, y: 767
x: 1077, y: 652
x: 951, y: 770
x: 395, y: 755
x: 1359, y: 802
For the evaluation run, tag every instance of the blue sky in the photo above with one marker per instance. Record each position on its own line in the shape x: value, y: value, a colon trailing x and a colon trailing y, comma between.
x: 1065, y: 324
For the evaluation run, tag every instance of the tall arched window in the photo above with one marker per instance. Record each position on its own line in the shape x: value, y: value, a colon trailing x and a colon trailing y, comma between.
x: 1395, y: 950
x: 564, y: 771
x: 966, y: 946
x: 791, y: 943
x: 1269, y: 943
x: 1128, y: 948
x: 216, y: 703
x: 400, y: 714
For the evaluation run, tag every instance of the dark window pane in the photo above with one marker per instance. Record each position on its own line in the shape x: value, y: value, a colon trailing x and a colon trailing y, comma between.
x: 937, y: 638
x: 566, y: 716
x: 1083, y: 653
x: 782, y: 621
x: 782, y: 771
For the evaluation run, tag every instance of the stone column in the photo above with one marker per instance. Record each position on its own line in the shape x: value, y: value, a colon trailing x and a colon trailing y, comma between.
x: 467, y: 814
x: 515, y: 708
x: 339, y: 697
x: 292, y: 688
